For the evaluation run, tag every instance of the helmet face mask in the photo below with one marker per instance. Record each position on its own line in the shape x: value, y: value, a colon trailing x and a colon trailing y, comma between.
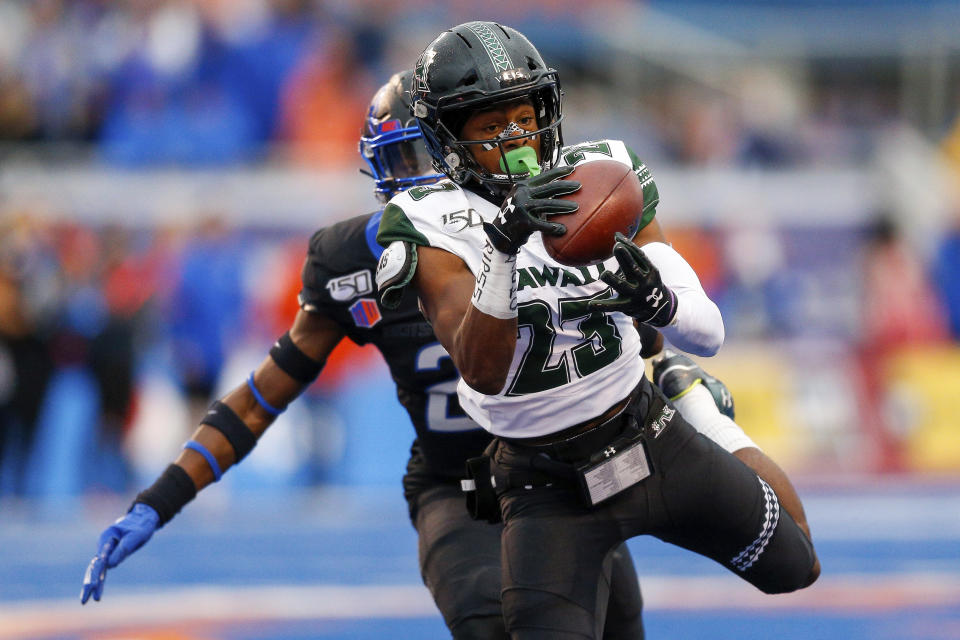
x: 391, y: 143
x: 474, y: 67
x: 546, y: 131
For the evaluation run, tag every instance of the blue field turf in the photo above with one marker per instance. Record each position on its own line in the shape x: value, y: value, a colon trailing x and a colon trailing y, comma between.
x: 341, y: 563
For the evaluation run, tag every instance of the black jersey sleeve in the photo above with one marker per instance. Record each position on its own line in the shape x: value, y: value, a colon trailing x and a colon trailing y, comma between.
x: 339, y: 266
x: 313, y: 295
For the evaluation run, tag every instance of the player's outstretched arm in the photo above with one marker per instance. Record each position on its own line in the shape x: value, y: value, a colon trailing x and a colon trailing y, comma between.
x: 226, y: 434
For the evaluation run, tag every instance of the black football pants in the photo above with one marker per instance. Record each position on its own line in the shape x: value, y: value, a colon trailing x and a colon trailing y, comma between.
x: 698, y: 497
x: 460, y: 562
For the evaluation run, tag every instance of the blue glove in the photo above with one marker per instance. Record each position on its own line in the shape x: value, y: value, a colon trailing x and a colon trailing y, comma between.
x: 117, y: 541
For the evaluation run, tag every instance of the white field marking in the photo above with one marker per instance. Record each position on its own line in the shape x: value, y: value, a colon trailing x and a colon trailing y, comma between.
x: 214, y: 604
x: 219, y: 604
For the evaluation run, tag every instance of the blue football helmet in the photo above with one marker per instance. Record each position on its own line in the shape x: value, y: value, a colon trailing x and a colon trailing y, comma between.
x: 392, y: 143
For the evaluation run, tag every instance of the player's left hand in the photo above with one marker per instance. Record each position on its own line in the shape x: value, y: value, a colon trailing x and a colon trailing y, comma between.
x: 640, y: 291
x: 117, y: 541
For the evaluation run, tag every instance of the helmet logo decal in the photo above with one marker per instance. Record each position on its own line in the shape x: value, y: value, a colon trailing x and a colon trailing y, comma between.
x: 511, y: 77
x: 495, y: 49
x: 389, y: 125
x: 423, y: 68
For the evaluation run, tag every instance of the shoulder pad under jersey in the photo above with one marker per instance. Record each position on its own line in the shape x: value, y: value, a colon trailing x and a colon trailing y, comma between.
x: 395, y: 270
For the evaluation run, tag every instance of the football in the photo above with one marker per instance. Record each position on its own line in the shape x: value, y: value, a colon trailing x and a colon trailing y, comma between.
x: 610, y: 199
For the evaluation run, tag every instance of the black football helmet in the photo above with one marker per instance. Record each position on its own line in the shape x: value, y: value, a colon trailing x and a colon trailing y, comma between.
x: 391, y: 142
x: 472, y: 66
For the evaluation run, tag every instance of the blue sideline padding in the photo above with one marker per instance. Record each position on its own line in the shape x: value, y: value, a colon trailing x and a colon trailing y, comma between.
x: 66, y: 438
x: 378, y: 431
x: 12, y: 461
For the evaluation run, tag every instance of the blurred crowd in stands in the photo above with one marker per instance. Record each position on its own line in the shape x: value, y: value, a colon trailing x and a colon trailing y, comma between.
x: 226, y: 82
x: 217, y: 82
x: 159, y: 82
x: 109, y: 305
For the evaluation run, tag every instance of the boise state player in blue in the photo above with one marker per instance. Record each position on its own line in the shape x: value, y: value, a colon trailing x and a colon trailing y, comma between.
x: 459, y: 556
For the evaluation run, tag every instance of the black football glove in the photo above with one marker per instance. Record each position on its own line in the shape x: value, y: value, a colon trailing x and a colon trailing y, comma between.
x: 641, y: 293
x: 526, y: 209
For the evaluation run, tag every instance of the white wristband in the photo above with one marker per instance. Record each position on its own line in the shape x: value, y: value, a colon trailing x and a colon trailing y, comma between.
x: 496, y: 291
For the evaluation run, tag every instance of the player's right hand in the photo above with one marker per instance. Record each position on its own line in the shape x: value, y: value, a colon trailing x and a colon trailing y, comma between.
x: 117, y: 541
x: 640, y: 290
x: 527, y: 206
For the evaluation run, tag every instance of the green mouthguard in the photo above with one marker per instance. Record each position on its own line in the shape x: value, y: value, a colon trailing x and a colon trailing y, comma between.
x: 521, y: 160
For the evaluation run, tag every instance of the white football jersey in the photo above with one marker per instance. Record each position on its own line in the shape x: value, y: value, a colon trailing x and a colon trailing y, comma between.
x: 570, y: 364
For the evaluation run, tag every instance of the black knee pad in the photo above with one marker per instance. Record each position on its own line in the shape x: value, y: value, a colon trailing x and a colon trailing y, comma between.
x: 796, y: 559
x: 625, y: 608
x: 459, y: 561
x: 535, y: 613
